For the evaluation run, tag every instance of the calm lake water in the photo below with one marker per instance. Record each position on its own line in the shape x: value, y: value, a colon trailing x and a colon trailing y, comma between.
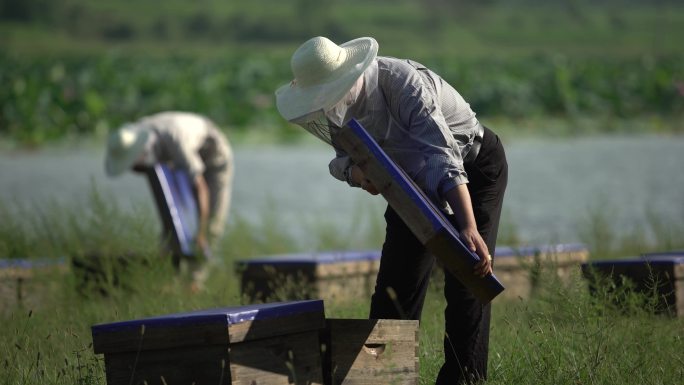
x: 554, y: 185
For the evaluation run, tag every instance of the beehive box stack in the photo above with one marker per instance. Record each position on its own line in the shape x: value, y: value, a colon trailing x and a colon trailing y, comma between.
x: 521, y: 269
x: 371, y: 352
x: 276, y: 343
x: 332, y: 276
x: 663, y: 272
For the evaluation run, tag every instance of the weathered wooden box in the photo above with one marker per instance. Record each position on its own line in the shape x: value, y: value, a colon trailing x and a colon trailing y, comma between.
x: 28, y: 283
x: 371, y: 352
x: 663, y: 272
x: 523, y: 269
x: 276, y: 343
x: 425, y: 220
x: 331, y: 276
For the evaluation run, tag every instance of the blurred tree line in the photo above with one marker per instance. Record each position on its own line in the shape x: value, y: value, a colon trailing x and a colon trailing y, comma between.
x: 512, y: 58
x: 47, y: 99
x: 273, y: 20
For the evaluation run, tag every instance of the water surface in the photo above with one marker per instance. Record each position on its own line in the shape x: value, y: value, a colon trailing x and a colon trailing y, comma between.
x: 554, y: 185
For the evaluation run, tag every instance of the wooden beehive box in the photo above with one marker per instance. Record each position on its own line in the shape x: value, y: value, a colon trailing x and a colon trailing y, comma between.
x: 28, y: 283
x: 371, y: 352
x: 331, y: 276
x: 522, y: 269
x: 276, y: 343
x: 662, y: 271
x: 425, y: 220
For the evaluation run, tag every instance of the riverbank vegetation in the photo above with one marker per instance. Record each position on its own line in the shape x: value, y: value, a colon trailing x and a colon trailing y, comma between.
x: 562, y: 334
x: 72, y: 67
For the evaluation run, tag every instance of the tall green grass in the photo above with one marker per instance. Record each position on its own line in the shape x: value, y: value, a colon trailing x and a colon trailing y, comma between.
x: 565, y: 335
x: 562, y: 335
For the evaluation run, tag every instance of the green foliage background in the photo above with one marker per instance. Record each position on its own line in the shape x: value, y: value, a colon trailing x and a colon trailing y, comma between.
x: 72, y: 67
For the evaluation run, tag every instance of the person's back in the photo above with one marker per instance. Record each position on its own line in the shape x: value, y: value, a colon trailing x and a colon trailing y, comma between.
x: 185, y: 138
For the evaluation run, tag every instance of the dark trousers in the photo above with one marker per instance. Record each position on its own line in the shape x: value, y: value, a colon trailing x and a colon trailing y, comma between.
x: 405, y: 270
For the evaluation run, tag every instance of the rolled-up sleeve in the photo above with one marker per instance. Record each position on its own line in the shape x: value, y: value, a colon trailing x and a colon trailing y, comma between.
x: 339, y: 165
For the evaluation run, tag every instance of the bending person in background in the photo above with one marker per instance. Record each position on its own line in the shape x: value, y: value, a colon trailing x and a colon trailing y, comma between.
x: 427, y: 128
x: 186, y: 141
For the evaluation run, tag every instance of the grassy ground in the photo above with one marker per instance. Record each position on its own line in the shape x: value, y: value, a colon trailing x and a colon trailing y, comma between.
x: 562, y: 335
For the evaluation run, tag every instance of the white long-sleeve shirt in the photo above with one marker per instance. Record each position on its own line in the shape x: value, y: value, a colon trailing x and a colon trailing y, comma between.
x: 419, y: 120
x: 187, y: 140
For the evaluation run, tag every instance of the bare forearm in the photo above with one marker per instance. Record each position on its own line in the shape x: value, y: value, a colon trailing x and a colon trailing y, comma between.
x: 203, y: 204
x: 459, y: 200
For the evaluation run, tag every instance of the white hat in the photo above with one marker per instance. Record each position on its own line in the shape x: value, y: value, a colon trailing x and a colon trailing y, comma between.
x: 124, y: 146
x: 323, y: 73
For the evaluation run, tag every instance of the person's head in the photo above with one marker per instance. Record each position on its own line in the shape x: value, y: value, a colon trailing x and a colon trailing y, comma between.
x: 324, y: 73
x: 125, y: 147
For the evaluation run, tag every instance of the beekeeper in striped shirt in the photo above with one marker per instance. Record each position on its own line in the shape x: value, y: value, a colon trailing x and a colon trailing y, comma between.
x: 427, y: 128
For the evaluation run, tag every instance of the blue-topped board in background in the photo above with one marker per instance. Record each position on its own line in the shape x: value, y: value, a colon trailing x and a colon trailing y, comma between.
x: 425, y: 220
x: 560, y: 254
x: 177, y: 206
x: 542, y: 250
x: 315, y: 258
x: 667, y: 262
x: 27, y: 265
x: 677, y: 255
x: 663, y: 272
x: 23, y: 283
x: 524, y: 269
x: 331, y: 275
x: 261, y: 343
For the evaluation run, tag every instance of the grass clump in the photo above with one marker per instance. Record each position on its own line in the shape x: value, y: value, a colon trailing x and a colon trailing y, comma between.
x: 567, y: 335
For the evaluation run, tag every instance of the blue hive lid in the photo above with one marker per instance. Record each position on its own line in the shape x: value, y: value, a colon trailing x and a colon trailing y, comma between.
x: 177, y: 203
x: 28, y: 263
x: 430, y: 216
x: 563, y: 248
x: 677, y: 256
x: 652, y: 260
x: 508, y: 251
x: 227, y: 316
x: 316, y: 258
x: 521, y: 251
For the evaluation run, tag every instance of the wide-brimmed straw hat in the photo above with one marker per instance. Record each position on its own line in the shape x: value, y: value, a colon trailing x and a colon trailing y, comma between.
x: 323, y: 73
x: 124, y: 146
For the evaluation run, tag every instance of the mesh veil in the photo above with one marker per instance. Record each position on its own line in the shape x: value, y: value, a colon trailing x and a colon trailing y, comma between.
x: 318, y: 125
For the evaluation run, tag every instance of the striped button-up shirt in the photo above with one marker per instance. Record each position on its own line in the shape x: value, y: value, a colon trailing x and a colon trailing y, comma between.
x: 419, y: 120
